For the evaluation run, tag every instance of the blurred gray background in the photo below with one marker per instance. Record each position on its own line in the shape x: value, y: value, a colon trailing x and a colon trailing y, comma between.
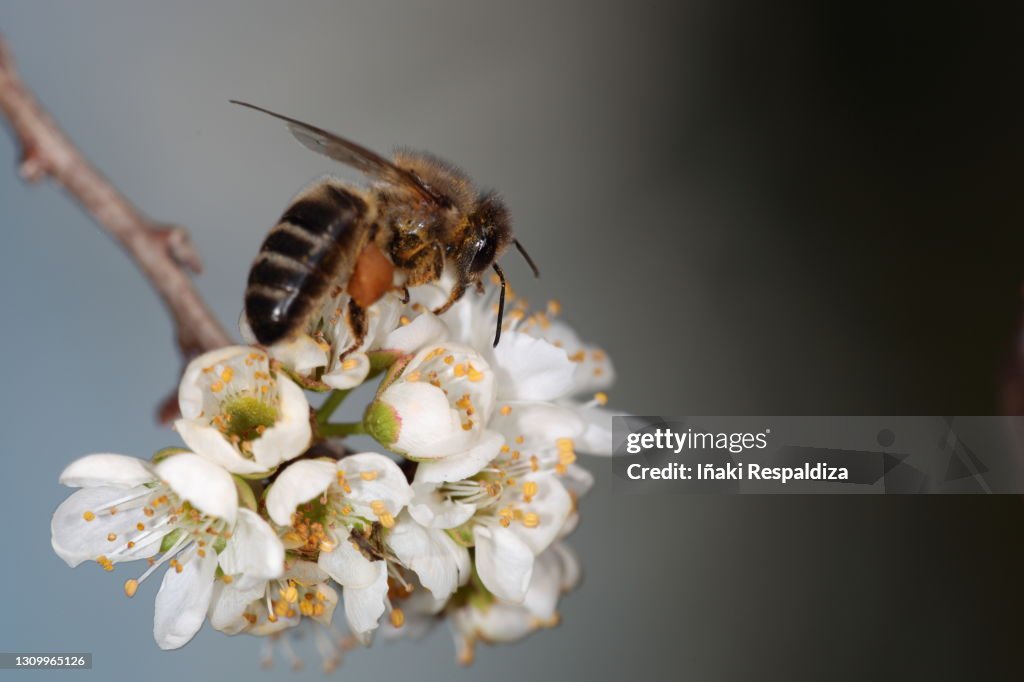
x: 757, y: 208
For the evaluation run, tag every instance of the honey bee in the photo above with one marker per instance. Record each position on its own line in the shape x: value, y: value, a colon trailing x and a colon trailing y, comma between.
x: 419, y: 214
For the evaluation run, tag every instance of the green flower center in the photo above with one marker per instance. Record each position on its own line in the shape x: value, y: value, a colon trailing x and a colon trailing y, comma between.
x: 247, y: 417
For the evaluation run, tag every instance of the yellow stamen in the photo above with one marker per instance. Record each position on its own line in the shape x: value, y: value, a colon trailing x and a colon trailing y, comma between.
x: 130, y: 587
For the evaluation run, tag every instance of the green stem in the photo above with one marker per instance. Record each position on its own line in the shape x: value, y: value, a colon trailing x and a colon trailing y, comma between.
x: 342, y: 430
x: 330, y: 405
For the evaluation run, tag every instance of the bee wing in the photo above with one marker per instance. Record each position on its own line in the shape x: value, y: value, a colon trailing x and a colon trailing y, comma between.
x: 349, y: 153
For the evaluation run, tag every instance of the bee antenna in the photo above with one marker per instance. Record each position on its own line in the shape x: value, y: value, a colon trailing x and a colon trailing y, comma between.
x: 501, y: 303
x: 533, y: 266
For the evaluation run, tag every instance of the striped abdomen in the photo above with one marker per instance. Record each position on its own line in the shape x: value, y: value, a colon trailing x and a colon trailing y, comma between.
x: 316, y: 241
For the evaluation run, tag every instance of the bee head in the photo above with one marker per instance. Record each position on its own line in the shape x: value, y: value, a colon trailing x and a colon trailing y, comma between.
x: 489, y: 233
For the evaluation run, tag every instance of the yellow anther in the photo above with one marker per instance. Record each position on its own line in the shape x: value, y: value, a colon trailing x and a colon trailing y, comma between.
x: 397, y: 617
x: 534, y: 463
x: 404, y: 320
x: 601, y: 398
x: 475, y: 375
x: 378, y: 507
x: 290, y: 594
x: 88, y: 516
x: 327, y: 545
x: 140, y: 525
x: 111, y: 537
x: 554, y: 307
x: 306, y: 608
x: 412, y: 376
x: 529, y: 490
x: 460, y: 370
x: 387, y: 520
x: 449, y: 359
x: 506, y: 409
x: 346, y: 510
x: 227, y: 579
x: 519, y: 440
x: 217, y: 387
x: 130, y: 544
x: 201, y: 552
x: 130, y: 587
x: 368, y: 475
x: 531, y: 520
x: 348, y: 364
x: 505, y: 448
x: 227, y: 374
x: 564, y: 444
x: 578, y: 356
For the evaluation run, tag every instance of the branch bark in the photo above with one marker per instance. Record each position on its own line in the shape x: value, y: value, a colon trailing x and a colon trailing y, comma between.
x: 161, y: 252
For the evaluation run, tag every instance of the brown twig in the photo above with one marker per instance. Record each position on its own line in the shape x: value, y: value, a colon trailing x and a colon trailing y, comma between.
x: 162, y: 252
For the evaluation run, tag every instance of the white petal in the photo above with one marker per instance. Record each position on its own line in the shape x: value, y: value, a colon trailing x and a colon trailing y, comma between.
x: 190, y: 396
x: 430, y: 428
x: 503, y: 623
x: 301, y: 355
x: 462, y: 465
x: 364, y: 606
x: 76, y: 540
x: 107, y: 470
x: 386, y: 482
x: 306, y: 572
x: 541, y: 424
x: 356, y: 373
x: 204, y: 484
x: 207, y: 441
x: 531, y: 369
x: 426, y: 329
x: 300, y: 482
x: 254, y: 550
x: 183, y: 600
x: 229, y: 603
x: 503, y: 561
x: 552, y: 504
x: 432, y: 510
x: 430, y: 554
x: 348, y: 567
x: 597, y: 435
x: 570, y: 565
x: 545, y: 588
x: 290, y: 436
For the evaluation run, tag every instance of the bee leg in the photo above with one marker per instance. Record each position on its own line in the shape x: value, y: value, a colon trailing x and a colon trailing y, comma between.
x: 458, y: 289
x: 405, y: 294
x: 356, y: 321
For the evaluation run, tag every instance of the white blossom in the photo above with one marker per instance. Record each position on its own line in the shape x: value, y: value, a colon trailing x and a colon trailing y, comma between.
x: 241, y: 413
x: 184, y: 509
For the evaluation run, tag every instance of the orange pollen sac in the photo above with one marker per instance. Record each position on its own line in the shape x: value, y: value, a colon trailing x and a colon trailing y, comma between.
x: 531, y: 520
x: 529, y: 490
x: 387, y: 520
x: 88, y: 516
x: 111, y: 537
x: 475, y: 375
x: 130, y: 587
x: 378, y: 507
x: 413, y: 376
x: 368, y: 475
x: 506, y: 410
x: 460, y: 370
x: 601, y: 397
x: 227, y: 374
x: 397, y: 617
